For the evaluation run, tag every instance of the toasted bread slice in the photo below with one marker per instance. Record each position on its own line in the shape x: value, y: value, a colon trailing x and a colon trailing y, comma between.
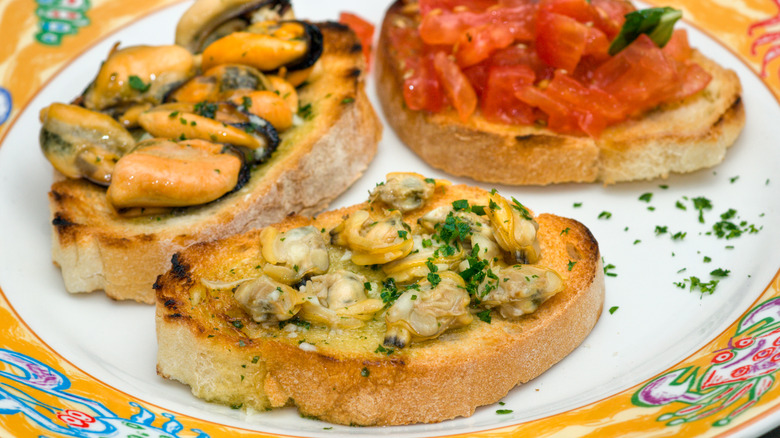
x: 681, y: 137
x: 207, y: 340
x: 315, y: 162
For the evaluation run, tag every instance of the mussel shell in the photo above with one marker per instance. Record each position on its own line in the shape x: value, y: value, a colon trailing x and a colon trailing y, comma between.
x: 244, y: 174
x: 266, y: 131
x: 315, y: 45
x: 195, y: 28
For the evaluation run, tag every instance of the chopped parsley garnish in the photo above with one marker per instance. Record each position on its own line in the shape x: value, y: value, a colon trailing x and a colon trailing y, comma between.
x: 679, y: 235
x: 613, y: 309
x: 565, y: 231
x: 733, y: 179
x: 460, y: 205
x: 402, y: 234
x: 390, y: 291
x: 701, y: 204
x: 434, y: 278
x: 720, y: 272
x: 479, y: 210
x: 577, y: 204
x: 570, y: 265
x: 521, y: 208
x: 605, y: 215
x: 430, y: 180
x: 660, y: 230
x: 608, y: 268
x: 696, y: 283
x: 306, y: 325
x: 347, y: 100
x: 364, y: 372
x: 646, y: 197
x: 504, y: 411
x: 680, y: 205
x: 367, y: 286
x: 707, y: 259
x: 475, y: 273
x: 453, y: 229
x: 138, y: 84
x: 484, y: 316
x: 246, y: 103
x: 381, y: 349
x: 305, y: 111
x: 664, y: 186
x: 637, y: 241
x: 237, y: 324
x: 206, y: 109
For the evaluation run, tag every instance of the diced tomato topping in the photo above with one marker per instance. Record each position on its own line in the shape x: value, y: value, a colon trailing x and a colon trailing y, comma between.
x: 694, y: 79
x: 477, y: 44
x: 678, y: 47
x: 456, y: 86
x: 560, y: 40
x: 499, y: 103
x: 364, y: 31
x: 448, y: 5
x: 423, y: 90
x: 596, y: 44
x: 640, y: 75
x: 610, y: 15
x: 529, y: 61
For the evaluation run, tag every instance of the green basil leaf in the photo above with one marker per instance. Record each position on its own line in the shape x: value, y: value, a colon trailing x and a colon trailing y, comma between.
x: 657, y: 23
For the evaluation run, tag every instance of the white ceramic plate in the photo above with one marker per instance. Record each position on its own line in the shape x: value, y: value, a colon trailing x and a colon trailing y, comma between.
x: 655, y: 324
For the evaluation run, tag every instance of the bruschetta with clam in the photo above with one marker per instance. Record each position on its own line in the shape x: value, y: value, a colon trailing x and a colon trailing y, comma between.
x: 418, y: 306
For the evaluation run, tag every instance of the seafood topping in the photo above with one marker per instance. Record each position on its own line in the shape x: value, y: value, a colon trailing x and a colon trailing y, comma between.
x: 162, y: 173
x: 294, y: 254
x: 81, y: 143
x: 267, y: 300
x: 139, y: 74
x: 374, y: 241
x: 207, y: 21
x: 338, y: 300
x: 525, y: 288
x: 428, y: 312
x: 268, y: 46
x: 403, y: 191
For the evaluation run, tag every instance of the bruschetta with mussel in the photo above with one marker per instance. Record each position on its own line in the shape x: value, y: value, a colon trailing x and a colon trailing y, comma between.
x: 233, y: 126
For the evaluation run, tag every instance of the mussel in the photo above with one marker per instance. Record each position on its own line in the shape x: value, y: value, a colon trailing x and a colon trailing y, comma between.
x: 83, y: 143
x: 218, y: 123
x: 137, y: 75
x: 162, y: 173
x: 208, y: 20
x: 268, y: 46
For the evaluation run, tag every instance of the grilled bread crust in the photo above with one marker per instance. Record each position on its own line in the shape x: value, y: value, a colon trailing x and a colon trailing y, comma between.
x: 679, y: 137
x: 207, y: 341
x: 315, y: 162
